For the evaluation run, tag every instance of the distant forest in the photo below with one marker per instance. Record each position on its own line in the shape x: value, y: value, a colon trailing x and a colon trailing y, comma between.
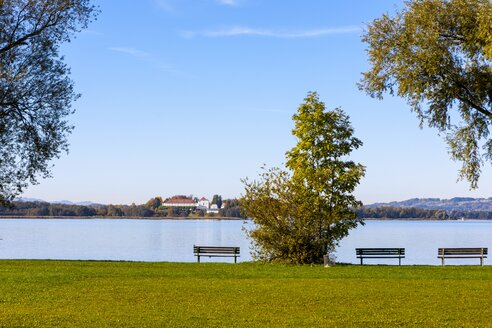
x: 231, y: 208
x: 44, y: 209
x: 393, y: 212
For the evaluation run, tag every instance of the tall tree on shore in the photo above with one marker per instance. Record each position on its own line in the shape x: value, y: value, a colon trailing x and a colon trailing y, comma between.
x: 217, y: 200
x: 438, y: 55
x: 36, y: 92
x: 154, y: 203
x: 301, y: 213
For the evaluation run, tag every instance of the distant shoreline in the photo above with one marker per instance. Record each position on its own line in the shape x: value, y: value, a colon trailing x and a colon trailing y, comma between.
x: 217, y: 218
x: 123, y: 217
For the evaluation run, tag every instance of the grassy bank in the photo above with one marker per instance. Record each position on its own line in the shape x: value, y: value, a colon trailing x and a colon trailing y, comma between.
x: 115, y: 294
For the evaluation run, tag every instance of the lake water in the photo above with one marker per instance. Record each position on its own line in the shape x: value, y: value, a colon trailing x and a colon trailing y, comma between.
x: 173, y: 240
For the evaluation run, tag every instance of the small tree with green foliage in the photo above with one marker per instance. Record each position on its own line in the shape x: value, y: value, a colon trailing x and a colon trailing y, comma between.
x: 154, y: 203
x: 301, y: 213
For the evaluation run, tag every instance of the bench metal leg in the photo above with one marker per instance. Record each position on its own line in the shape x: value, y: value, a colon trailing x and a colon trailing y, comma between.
x: 361, y: 262
x: 481, y: 261
x: 399, y: 261
x: 235, y: 259
x: 442, y: 261
x: 198, y: 257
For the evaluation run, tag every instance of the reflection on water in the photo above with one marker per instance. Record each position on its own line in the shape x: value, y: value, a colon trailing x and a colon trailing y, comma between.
x: 108, y: 239
x: 172, y: 240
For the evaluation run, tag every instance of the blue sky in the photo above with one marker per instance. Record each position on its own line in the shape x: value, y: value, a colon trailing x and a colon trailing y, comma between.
x: 191, y: 96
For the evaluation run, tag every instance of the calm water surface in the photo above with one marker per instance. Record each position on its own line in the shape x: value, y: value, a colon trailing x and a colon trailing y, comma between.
x: 173, y: 240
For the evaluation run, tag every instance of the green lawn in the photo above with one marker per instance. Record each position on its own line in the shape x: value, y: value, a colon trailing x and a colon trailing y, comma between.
x: 115, y: 294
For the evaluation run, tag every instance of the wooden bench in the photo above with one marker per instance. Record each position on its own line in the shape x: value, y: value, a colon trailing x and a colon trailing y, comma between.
x: 216, y: 251
x: 380, y: 253
x: 462, y: 253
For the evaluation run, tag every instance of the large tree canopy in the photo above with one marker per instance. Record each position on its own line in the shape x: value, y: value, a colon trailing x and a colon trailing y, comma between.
x: 301, y: 213
x: 437, y: 54
x: 36, y: 92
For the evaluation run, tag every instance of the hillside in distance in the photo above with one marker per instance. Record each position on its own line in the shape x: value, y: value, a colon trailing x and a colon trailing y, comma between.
x: 466, y: 204
x: 63, y: 202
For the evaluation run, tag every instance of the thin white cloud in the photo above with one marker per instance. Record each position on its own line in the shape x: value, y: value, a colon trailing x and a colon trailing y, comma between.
x: 152, y: 60
x: 131, y: 51
x: 165, y: 5
x: 248, y: 31
x: 229, y: 2
x: 172, y: 6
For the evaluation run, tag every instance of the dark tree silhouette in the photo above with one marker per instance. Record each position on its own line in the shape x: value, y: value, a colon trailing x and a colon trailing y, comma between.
x: 36, y: 93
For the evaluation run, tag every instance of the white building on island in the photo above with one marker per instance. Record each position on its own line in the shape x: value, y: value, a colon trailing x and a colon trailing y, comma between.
x: 203, y: 204
x: 179, y: 202
x: 213, y: 209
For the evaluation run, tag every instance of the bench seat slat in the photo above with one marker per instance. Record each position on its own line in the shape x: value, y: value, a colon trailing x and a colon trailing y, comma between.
x: 379, y: 253
x: 380, y: 257
x: 463, y: 256
x: 216, y: 251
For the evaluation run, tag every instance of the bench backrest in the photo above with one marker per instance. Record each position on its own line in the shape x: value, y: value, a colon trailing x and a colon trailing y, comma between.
x: 380, y: 251
x: 463, y: 251
x: 215, y: 249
